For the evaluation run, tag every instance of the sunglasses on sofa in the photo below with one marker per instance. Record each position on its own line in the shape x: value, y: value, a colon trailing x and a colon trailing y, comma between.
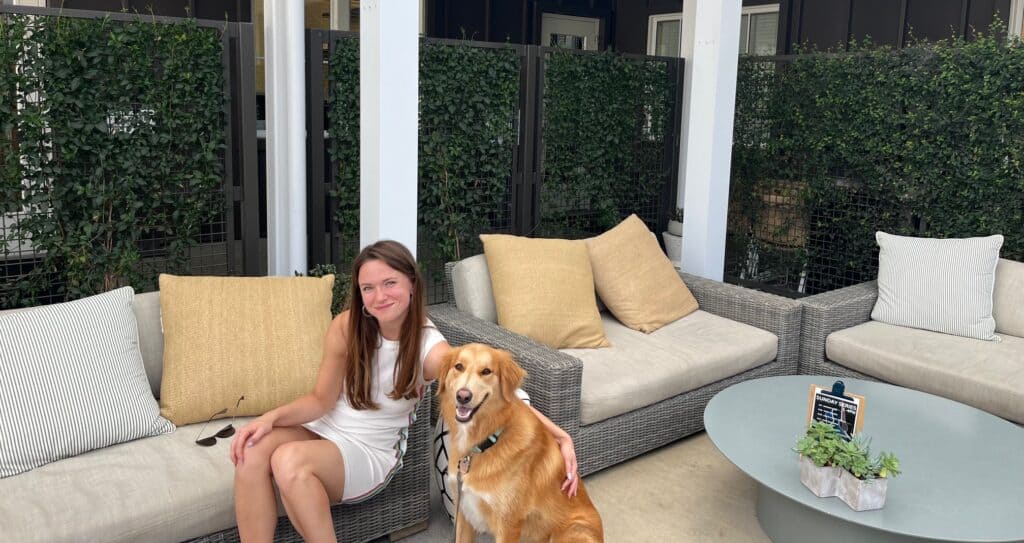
x: 224, y: 432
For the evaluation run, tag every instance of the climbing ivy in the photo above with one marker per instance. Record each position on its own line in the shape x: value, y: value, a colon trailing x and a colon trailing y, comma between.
x: 606, y: 120
x: 924, y: 141
x: 468, y: 104
x: 120, y: 131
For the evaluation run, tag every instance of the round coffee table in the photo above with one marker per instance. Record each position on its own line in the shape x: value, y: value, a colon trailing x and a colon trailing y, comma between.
x: 963, y: 469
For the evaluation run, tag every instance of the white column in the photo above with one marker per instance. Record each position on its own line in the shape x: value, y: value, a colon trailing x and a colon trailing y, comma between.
x: 388, y: 109
x: 286, y: 137
x: 709, y: 102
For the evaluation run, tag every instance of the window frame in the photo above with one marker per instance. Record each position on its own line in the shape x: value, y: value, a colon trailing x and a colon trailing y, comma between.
x: 652, y: 29
x: 758, y: 10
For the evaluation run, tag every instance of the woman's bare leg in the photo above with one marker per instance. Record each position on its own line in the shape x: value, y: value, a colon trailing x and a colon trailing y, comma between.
x: 311, y: 476
x: 255, y: 504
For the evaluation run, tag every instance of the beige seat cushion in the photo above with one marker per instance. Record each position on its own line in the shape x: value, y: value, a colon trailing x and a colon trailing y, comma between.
x: 544, y: 289
x: 986, y: 374
x: 635, y: 279
x: 156, y: 489
x: 228, y: 336
x: 642, y: 369
x: 1008, y: 298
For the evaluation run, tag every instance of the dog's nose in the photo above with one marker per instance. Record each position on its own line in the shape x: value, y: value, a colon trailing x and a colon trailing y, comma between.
x: 464, y: 396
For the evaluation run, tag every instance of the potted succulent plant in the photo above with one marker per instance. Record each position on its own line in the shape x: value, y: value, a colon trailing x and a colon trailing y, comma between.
x: 817, y: 449
x: 675, y: 223
x: 673, y: 243
x: 864, y: 480
x: 832, y: 466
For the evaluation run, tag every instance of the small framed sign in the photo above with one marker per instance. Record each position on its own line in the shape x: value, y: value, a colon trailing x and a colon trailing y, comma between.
x: 837, y: 407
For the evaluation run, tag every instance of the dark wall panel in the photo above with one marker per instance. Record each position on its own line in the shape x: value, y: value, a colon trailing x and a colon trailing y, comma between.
x: 173, y: 8
x: 465, y: 15
x: 981, y: 13
x: 824, y: 23
x: 879, y: 19
x: 631, y: 19
x: 933, y: 19
x: 236, y: 10
x: 95, y: 5
x: 631, y: 26
x: 507, y: 20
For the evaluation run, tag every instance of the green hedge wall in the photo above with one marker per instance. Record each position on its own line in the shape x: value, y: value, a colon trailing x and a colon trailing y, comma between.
x: 468, y: 103
x: 606, y: 118
x: 925, y: 141
x: 120, y: 135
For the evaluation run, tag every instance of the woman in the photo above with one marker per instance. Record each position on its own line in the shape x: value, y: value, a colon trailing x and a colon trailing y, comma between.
x: 344, y: 440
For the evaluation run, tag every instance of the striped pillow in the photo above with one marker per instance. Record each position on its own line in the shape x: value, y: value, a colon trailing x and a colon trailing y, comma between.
x: 943, y: 285
x: 72, y: 380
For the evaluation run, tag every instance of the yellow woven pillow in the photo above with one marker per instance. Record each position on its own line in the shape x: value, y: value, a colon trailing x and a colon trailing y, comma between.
x: 228, y: 336
x: 543, y: 289
x: 635, y: 279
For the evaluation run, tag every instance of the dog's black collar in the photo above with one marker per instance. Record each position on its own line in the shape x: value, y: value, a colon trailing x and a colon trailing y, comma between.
x: 488, y: 443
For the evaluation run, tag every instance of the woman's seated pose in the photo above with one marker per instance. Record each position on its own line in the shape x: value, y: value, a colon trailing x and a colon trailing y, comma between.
x: 345, y: 440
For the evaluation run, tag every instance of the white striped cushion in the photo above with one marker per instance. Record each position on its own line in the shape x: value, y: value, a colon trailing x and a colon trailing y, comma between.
x: 72, y: 380
x: 943, y: 285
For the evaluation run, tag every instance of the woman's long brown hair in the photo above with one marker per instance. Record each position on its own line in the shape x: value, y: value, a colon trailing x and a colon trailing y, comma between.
x: 364, y: 332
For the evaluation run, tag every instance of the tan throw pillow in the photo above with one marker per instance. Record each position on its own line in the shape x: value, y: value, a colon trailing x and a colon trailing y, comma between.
x: 543, y: 289
x: 636, y: 280
x: 228, y: 336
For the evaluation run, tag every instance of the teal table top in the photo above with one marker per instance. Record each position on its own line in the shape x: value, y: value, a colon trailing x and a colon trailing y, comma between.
x: 963, y: 468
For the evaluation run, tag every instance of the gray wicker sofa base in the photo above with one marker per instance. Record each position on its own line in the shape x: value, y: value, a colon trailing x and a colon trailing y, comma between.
x: 554, y: 380
x: 838, y: 338
x: 166, y: 488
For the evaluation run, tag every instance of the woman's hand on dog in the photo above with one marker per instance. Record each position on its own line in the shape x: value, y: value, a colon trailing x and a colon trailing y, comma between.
x: 572, y: 479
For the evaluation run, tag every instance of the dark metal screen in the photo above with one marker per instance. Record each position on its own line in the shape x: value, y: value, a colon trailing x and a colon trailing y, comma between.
x: 215, y: 249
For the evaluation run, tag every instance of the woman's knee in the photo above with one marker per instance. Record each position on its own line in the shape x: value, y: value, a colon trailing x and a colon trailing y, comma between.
x: 288, y: 464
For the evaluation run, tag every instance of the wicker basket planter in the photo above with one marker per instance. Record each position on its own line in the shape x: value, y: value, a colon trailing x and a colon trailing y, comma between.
x: 862, y: 495
x: 822, y: 481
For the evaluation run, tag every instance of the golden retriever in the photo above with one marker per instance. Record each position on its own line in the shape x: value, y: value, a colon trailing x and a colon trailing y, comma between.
x: 513, y: 488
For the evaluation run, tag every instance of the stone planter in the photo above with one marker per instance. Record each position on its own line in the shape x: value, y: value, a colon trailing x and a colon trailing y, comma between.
x: 673, y: 247
x: 675, y: 228
x: 823, y: 481
x: 862, y: 495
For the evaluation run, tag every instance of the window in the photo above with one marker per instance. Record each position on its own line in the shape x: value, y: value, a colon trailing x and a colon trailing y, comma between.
x: 663, y: 34
x: 759, y: 30
x: 1017, y: 18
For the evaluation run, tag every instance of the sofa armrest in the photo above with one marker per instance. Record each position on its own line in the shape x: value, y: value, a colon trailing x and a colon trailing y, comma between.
x: 776, y: 314
x: 554, y: 380
x: 829, y: 312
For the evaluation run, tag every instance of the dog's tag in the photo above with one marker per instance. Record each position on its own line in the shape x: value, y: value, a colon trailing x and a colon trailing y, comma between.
x: 464, y: 464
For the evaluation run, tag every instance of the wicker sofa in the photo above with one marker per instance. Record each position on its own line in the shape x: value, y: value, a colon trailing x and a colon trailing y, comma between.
x: 165, y: 488
x: 840, y: 339
x: 558, y: 387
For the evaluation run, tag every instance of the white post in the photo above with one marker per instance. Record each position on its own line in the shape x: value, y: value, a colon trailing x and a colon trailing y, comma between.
x: 709, y: 102
x: 286, y: 137
x: 388, y: 109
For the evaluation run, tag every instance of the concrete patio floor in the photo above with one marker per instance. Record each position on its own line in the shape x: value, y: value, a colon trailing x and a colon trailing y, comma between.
x: 686, y: 491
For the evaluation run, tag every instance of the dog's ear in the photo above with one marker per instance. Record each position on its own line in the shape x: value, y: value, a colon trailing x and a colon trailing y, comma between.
x: 510, y: 374
x: 446, y: 365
